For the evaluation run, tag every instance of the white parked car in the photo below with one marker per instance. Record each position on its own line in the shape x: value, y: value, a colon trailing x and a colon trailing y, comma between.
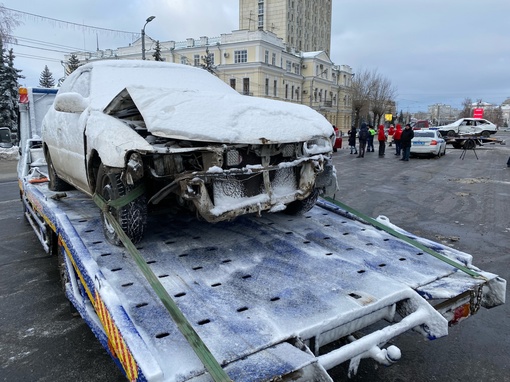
x: 476, y: 126
x: 428, y: 142
x: 176, y: 136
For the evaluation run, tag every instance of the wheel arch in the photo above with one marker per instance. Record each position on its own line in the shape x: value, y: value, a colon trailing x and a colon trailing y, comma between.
x: 93, y: 165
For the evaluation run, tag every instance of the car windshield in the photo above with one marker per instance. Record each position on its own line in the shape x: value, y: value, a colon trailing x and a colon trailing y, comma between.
x: 424, y: 134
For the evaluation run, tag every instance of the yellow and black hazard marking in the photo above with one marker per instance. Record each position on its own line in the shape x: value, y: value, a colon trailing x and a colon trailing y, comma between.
x: 116, y: 343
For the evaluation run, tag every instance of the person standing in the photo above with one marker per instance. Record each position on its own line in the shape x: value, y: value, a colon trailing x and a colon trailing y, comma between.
x: 391, y: 131
x: 396, y: 139
x: 381, y: 137
x: 405, y: 142
x: 363, y: 138
x: 352, y: 140
x: 370, y: 142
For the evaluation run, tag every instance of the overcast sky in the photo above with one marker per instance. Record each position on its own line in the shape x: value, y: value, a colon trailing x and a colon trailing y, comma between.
x: 433, y: 51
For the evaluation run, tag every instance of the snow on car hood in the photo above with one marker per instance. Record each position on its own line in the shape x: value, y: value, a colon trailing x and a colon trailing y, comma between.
x: 223, y: 117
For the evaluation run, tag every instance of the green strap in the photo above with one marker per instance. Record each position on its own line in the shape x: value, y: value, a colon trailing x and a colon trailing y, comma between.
x: 405, y: 238
x: 199, y: 347
x: 128, y: 198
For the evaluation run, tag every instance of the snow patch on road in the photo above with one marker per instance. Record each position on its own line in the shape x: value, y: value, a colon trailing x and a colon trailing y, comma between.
x: 11, y: 153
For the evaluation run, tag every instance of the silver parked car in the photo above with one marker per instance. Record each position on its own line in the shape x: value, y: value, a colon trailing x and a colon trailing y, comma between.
x: 177, y: 136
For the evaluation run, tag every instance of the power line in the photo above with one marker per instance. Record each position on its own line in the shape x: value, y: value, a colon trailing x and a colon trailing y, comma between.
x: 44, y: 43
x: 32, y: 57
x: 75, y: 25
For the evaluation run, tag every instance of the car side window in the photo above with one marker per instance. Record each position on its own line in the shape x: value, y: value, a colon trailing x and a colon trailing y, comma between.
x: 82, y: 84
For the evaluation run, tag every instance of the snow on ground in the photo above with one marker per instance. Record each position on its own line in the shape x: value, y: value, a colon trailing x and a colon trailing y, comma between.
x: 10, y: 153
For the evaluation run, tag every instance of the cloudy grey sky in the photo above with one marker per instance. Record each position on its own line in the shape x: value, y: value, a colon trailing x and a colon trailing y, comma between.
x: 433, y: 51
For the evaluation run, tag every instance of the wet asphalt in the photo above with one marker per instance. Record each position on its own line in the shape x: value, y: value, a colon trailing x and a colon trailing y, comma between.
x: 464, y: 203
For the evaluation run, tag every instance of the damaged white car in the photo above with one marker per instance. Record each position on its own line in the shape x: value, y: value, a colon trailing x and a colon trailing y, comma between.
x: 160, y: 134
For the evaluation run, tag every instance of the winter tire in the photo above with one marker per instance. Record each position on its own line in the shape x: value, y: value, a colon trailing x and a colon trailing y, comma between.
x: 55, y: 183
x: 301, y: 206
x: 132, y: 217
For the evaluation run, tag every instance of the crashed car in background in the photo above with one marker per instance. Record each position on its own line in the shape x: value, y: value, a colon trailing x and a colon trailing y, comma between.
x: 172, y: 135
x: 475, y: 126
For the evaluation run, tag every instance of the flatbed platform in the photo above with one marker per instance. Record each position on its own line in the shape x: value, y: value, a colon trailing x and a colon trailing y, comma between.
x: 265, y: 294
x: 471, y: 141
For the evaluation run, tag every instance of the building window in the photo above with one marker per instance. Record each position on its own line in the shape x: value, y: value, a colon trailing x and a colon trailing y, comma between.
x: 266, y: 57
x: 196, y: 60
x: 240, y: 56
x: 261, y: 22
x: 233, y: 83
x: 261, y: 8
x: 288, y: 64
x: 275, y: 88
x: 273, y: 59
x: 286, y: 91
x: 211, y: 56
x: 184, y: 60
x: 266, y: 88
x: 298, y: 92
x: 292, y: 93
x: 246, y: 86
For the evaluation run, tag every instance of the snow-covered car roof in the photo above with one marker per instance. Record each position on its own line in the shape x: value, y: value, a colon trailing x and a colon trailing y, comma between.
x: 183, y: 102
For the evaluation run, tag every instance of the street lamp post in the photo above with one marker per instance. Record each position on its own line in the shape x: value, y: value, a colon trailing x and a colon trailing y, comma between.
x: 149, y: 19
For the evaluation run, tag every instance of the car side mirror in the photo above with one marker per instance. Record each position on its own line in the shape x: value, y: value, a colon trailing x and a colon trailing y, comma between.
x: 70, y: 103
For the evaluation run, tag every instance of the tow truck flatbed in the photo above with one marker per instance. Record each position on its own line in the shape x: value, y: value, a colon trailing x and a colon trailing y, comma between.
x: 265, y: 294
x: 470, y: 141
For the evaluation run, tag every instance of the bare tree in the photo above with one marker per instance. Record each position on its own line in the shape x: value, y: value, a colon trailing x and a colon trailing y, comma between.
x: 382, y: 97
x: 8, y: 21
x: 495, y: 115
x: 373, y: 96
x: 466, y: 108
x: 361, y: 93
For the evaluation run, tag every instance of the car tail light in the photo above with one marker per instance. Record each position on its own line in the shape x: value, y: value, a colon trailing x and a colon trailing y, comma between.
x: 433, y: 142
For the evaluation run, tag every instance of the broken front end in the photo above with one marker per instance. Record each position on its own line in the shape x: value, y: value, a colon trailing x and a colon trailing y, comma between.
x: 223, y: 181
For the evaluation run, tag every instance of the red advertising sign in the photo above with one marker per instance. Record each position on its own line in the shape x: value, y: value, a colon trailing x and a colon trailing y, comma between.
x: 478, y: 113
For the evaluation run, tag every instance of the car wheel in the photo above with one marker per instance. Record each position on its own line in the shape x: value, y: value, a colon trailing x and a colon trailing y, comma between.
x: 486, y: 134
x: 132, y: 217
x: 450, y: 133
x: 301, y: 206
x: 55, y: 183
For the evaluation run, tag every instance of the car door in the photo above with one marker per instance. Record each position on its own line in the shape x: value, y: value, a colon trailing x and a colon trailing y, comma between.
x: 467, y: 126
x: 68, y: 155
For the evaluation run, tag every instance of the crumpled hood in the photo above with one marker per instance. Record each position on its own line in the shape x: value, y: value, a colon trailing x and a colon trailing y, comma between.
x: 228, y: 117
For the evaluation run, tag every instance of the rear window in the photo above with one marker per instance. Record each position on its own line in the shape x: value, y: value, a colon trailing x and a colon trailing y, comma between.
x: 424, y: 134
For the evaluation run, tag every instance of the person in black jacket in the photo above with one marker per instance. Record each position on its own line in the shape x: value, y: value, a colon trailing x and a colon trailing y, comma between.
x: 405, y: 142
x: 352, y: 140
